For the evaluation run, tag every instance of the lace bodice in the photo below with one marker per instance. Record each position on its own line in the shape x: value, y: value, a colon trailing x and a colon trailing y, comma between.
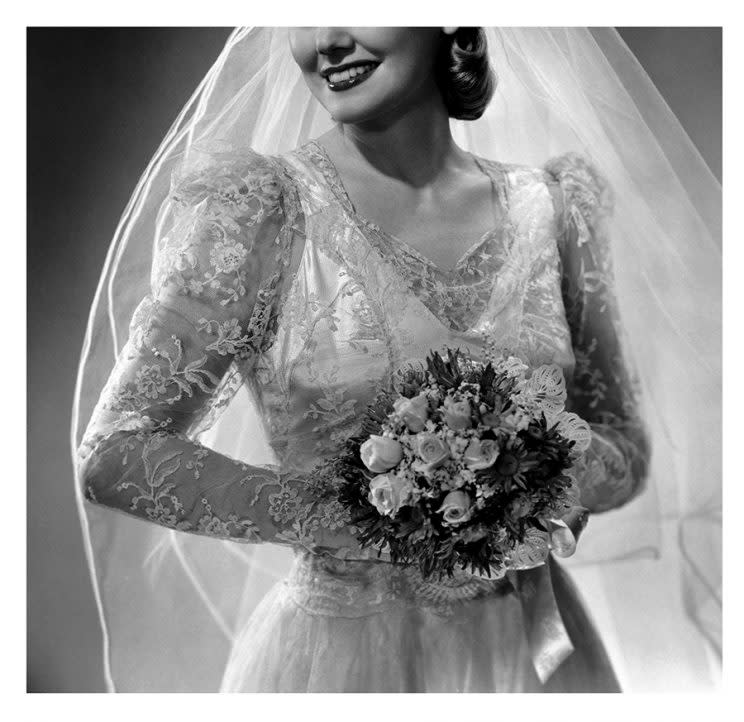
x: 268, y: 284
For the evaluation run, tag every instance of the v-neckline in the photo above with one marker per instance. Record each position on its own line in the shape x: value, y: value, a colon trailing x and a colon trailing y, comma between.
x: 498, y: 186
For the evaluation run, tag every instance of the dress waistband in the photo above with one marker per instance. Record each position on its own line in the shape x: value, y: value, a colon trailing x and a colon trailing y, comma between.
x: 324, y: 585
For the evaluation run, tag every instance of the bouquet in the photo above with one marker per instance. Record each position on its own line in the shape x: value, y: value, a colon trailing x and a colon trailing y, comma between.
x: 463, y: 464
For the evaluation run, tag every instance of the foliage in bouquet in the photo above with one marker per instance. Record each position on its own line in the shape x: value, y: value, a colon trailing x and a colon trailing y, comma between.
x: 461, y: 464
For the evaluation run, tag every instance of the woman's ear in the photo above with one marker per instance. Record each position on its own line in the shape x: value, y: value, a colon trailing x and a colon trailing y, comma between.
x: 449, y: 31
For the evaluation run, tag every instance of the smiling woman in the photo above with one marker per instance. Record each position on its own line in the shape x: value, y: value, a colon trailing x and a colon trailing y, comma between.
x: 457, y: 63
x: 400, y: 60
x: 279, y: 298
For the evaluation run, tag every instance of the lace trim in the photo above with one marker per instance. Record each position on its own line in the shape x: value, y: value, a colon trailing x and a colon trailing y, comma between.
x: 327, y: 586
x: 456, y: 296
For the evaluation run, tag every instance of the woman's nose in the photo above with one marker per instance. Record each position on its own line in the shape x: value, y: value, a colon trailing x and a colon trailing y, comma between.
x: 333, y: 40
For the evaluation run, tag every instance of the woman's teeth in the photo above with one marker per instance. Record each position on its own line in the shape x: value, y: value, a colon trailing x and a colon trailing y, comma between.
x: 349, y: 77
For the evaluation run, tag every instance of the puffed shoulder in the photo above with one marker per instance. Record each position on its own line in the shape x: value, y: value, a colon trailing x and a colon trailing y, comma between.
x: 584, y: 189
x: 233, y: 179
x: 230, y: 225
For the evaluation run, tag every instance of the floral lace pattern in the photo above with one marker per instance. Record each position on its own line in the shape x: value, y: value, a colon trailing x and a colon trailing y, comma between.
x: 326, y: 586
x: 602, y: 389
x: 214, y: 307
x: 458, y: 295
x: 264, y: 280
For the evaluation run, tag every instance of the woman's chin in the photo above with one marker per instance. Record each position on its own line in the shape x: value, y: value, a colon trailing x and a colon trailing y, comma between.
x: 355, y: 106
x: 357, y: 113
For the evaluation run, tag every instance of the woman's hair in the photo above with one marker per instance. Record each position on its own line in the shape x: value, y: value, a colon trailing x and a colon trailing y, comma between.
x: 463, y: 73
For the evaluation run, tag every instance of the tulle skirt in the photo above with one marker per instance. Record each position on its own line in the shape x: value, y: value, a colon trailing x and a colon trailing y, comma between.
x: 362, y: 626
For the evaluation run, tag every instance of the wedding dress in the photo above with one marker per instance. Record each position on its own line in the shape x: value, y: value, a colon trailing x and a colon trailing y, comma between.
x: 267, y: 280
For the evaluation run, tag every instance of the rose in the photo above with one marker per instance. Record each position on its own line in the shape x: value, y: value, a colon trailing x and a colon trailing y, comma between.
x: 481, y: 453
x: 413, y: 412
x: 432, y: 452
x: 388, y: 493
x: 456, y: 508
x: 380, y: 453
x: 458, y: 414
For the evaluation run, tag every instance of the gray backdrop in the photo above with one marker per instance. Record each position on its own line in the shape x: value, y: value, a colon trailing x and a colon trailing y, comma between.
x: 99, y: 102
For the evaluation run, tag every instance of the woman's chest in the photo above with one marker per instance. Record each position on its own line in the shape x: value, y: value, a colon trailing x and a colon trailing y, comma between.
x: 439, y: 227
x: 358, y: 311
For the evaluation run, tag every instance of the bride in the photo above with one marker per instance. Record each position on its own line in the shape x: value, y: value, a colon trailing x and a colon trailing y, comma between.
x: 268, y: 295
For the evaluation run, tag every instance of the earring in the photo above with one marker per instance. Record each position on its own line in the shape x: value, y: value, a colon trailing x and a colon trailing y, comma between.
x: 450, y: 31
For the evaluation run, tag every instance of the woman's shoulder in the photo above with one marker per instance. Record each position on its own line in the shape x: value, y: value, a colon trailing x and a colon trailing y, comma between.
x: 582, y: 183
x: 229, y: 174
x: 569, y: 170
x: 569, y: 186
x: 575, y: 184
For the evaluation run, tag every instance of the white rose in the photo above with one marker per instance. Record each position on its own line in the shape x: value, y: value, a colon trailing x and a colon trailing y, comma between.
x: 380, y: 453
x: 481, y: 453
x: 388, y: 493
x: 432, y: 452
x: 413, y: 412
x: 458, y: 414
x: 456, y: 508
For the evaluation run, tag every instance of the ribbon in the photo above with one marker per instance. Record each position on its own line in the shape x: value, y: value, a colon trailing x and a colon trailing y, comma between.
x: 565, y: 532
x: 547, y: 637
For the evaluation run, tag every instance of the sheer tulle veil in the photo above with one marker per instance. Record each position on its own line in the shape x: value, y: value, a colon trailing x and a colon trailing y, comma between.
x: 171, y: 603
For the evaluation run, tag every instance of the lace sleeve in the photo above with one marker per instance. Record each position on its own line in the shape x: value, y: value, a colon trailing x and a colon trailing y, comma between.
x: 602, y: 390
x: 217, y: 282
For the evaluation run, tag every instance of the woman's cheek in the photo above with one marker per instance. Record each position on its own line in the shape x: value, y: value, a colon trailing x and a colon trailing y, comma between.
x: 302, y: 45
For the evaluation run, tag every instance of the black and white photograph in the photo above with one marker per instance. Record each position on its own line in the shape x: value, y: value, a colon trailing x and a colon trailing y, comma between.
x: 374, y: 359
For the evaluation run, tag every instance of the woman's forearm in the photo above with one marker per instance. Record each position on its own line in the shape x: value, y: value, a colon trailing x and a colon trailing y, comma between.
x: 166, y: 478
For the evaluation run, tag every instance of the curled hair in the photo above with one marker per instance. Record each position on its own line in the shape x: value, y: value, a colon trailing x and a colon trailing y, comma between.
x: 463, y: 73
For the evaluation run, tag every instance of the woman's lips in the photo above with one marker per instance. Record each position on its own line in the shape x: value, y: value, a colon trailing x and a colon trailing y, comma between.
x: 350, y: 77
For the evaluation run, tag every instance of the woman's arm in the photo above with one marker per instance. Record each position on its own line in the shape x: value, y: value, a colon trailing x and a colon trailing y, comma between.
x: 602, y: 390
x: 218, y: 281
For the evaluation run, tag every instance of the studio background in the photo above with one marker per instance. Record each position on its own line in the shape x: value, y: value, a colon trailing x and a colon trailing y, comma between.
x: 100, y: 101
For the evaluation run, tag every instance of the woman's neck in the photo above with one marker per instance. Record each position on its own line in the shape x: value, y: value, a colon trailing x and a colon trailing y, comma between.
x: 414, y: 147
